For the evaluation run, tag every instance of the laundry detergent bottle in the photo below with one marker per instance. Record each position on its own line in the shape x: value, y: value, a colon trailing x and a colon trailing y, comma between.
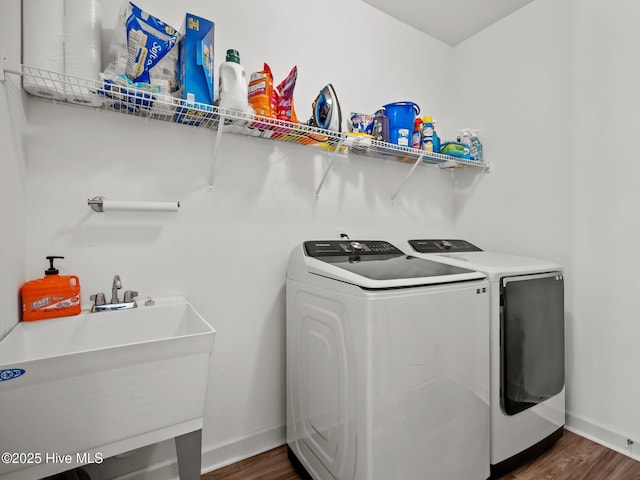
x: 233, y: 92
x: 52, y: 296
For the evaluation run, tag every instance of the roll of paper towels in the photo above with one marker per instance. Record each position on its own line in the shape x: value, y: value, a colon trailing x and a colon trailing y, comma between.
x: 43, y: 32
x: 82, y: 49
x: 132, y: 206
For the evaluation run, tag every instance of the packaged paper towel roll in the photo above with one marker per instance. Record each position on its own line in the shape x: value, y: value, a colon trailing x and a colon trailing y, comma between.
x: 82, y: 48
x: 43, y: 46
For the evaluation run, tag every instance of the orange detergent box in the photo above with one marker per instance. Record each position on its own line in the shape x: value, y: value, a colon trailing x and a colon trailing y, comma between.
x: 52, y: 296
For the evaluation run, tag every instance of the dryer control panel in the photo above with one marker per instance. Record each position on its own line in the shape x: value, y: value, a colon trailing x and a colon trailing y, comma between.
x: 443, y: 246
x: 333, y: 248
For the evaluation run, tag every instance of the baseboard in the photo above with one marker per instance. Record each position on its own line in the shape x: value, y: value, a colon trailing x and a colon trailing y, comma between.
x: 598, y: 433
x: 223, y: 454
x: 215, y: 456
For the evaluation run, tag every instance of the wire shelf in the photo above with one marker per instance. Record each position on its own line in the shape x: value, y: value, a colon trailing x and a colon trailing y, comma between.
x: 109, y: 96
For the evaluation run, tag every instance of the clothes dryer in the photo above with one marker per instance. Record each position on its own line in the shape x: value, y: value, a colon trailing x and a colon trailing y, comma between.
x: 527, y: 347
x: 387, y: 364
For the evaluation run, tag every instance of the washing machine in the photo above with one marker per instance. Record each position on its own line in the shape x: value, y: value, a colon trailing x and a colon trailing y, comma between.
x: 387, y: 359
x: 527, y: 347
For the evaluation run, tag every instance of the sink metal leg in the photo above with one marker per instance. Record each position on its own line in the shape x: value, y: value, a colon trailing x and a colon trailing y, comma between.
x: 189, y: 453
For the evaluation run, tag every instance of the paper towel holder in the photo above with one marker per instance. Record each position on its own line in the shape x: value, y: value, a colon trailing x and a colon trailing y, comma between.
x: 97, y: 204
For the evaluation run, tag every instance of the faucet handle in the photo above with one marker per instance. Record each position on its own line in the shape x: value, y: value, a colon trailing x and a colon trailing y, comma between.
x: 129, y: 296
x: 98, y: 299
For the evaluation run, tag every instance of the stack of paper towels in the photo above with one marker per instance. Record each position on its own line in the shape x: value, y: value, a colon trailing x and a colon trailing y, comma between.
x: 62, y: 38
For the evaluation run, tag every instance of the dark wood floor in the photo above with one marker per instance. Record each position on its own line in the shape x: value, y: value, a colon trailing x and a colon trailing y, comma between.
x: 571, y: 458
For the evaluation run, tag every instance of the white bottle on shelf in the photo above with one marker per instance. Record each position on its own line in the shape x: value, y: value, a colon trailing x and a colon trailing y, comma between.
x: 464, y: 136
x: 233, y: 86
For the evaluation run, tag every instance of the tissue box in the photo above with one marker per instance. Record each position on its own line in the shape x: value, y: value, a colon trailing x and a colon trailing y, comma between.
x: 195, y: 64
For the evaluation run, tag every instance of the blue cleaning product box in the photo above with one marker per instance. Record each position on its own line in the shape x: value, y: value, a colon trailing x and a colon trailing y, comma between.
x: 195, y: 69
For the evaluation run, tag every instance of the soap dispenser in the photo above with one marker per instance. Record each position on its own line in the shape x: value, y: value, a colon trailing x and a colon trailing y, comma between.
x: 52, y: 296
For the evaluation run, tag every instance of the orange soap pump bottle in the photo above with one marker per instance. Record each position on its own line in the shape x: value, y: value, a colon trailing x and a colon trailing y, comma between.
x: 52, y: 296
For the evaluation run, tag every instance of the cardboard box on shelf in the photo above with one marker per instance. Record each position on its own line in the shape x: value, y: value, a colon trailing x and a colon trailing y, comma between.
x: 195, y: 66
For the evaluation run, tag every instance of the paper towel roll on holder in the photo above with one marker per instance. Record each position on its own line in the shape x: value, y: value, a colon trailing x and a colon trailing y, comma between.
x: 100, y: 204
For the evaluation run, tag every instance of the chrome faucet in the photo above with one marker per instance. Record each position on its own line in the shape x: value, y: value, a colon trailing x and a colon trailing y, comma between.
x: 128, y: 301
x: 115, y: 286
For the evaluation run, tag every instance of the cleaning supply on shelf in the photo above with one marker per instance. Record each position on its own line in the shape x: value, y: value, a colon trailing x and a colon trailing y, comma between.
x: 476, y: 147
x: 233, y: 87
x: 52, y: 296
x: 285, y: 105
x: 456, y: 149
x: 381, y: 126
x: 326, y: 110
x: 195, y: 65
x: 427, y: 134
x: 416, y: 141
x: 402, y: 117
x: 262, y: 94
x: 464, y: 136
x: 436, y: 138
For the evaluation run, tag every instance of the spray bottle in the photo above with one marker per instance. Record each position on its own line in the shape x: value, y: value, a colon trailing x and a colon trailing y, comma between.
x: 427, y: 134
x: 430, y: 139
x: 416, y: 139
x: 476, y: 146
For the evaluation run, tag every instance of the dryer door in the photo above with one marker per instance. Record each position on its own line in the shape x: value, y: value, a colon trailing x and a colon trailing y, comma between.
x: 532, y: 340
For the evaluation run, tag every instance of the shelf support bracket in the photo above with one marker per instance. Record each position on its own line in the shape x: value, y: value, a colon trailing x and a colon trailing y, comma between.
x: 415, y: 165
x: 216, y: 148
x: 8, y: 67
x: 328, y: 169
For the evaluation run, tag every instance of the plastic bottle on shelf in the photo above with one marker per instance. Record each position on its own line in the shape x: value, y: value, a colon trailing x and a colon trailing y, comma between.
x: 436, y: 139
x: 427, y: 134
x: 233, y: 87
x: 417, y: 134
x: 476, y: 146
x: 464, y: 136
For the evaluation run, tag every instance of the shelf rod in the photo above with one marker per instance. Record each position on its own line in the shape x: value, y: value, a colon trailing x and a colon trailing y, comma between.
x: 415, y: 165
x: 215, y: 152
x: 328, y: 169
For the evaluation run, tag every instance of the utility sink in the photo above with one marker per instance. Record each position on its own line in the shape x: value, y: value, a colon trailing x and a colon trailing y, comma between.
x: 98, y: 384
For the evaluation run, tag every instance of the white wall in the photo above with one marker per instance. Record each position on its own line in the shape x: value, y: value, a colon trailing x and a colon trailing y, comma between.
x: 553, y: 90
x: 605, y: 173
x: 513, y: 86
x: 227, y: 250
x: 13, y: 212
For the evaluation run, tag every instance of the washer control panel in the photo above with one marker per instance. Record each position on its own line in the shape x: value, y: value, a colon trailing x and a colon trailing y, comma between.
x: 332, y: 248
x: 443, y: 246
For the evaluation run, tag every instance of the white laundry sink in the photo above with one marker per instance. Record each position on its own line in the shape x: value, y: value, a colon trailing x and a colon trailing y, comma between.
x: 97, y: 384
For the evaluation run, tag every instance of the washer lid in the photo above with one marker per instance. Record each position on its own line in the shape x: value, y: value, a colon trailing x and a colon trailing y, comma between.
x: 494, y: 264
x: 378, y: 265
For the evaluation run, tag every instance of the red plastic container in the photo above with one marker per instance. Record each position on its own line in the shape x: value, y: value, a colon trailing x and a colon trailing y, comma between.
x: 52, y: 296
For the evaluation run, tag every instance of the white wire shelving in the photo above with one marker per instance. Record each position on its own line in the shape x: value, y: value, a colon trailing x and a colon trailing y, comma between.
x: 124, y: 99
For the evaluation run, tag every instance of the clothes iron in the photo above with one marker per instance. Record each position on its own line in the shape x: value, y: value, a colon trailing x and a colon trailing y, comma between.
x: 326, y: 110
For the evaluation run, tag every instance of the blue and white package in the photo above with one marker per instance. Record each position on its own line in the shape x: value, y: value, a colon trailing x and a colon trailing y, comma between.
x: 361, y: 122
x: 149, y: 39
